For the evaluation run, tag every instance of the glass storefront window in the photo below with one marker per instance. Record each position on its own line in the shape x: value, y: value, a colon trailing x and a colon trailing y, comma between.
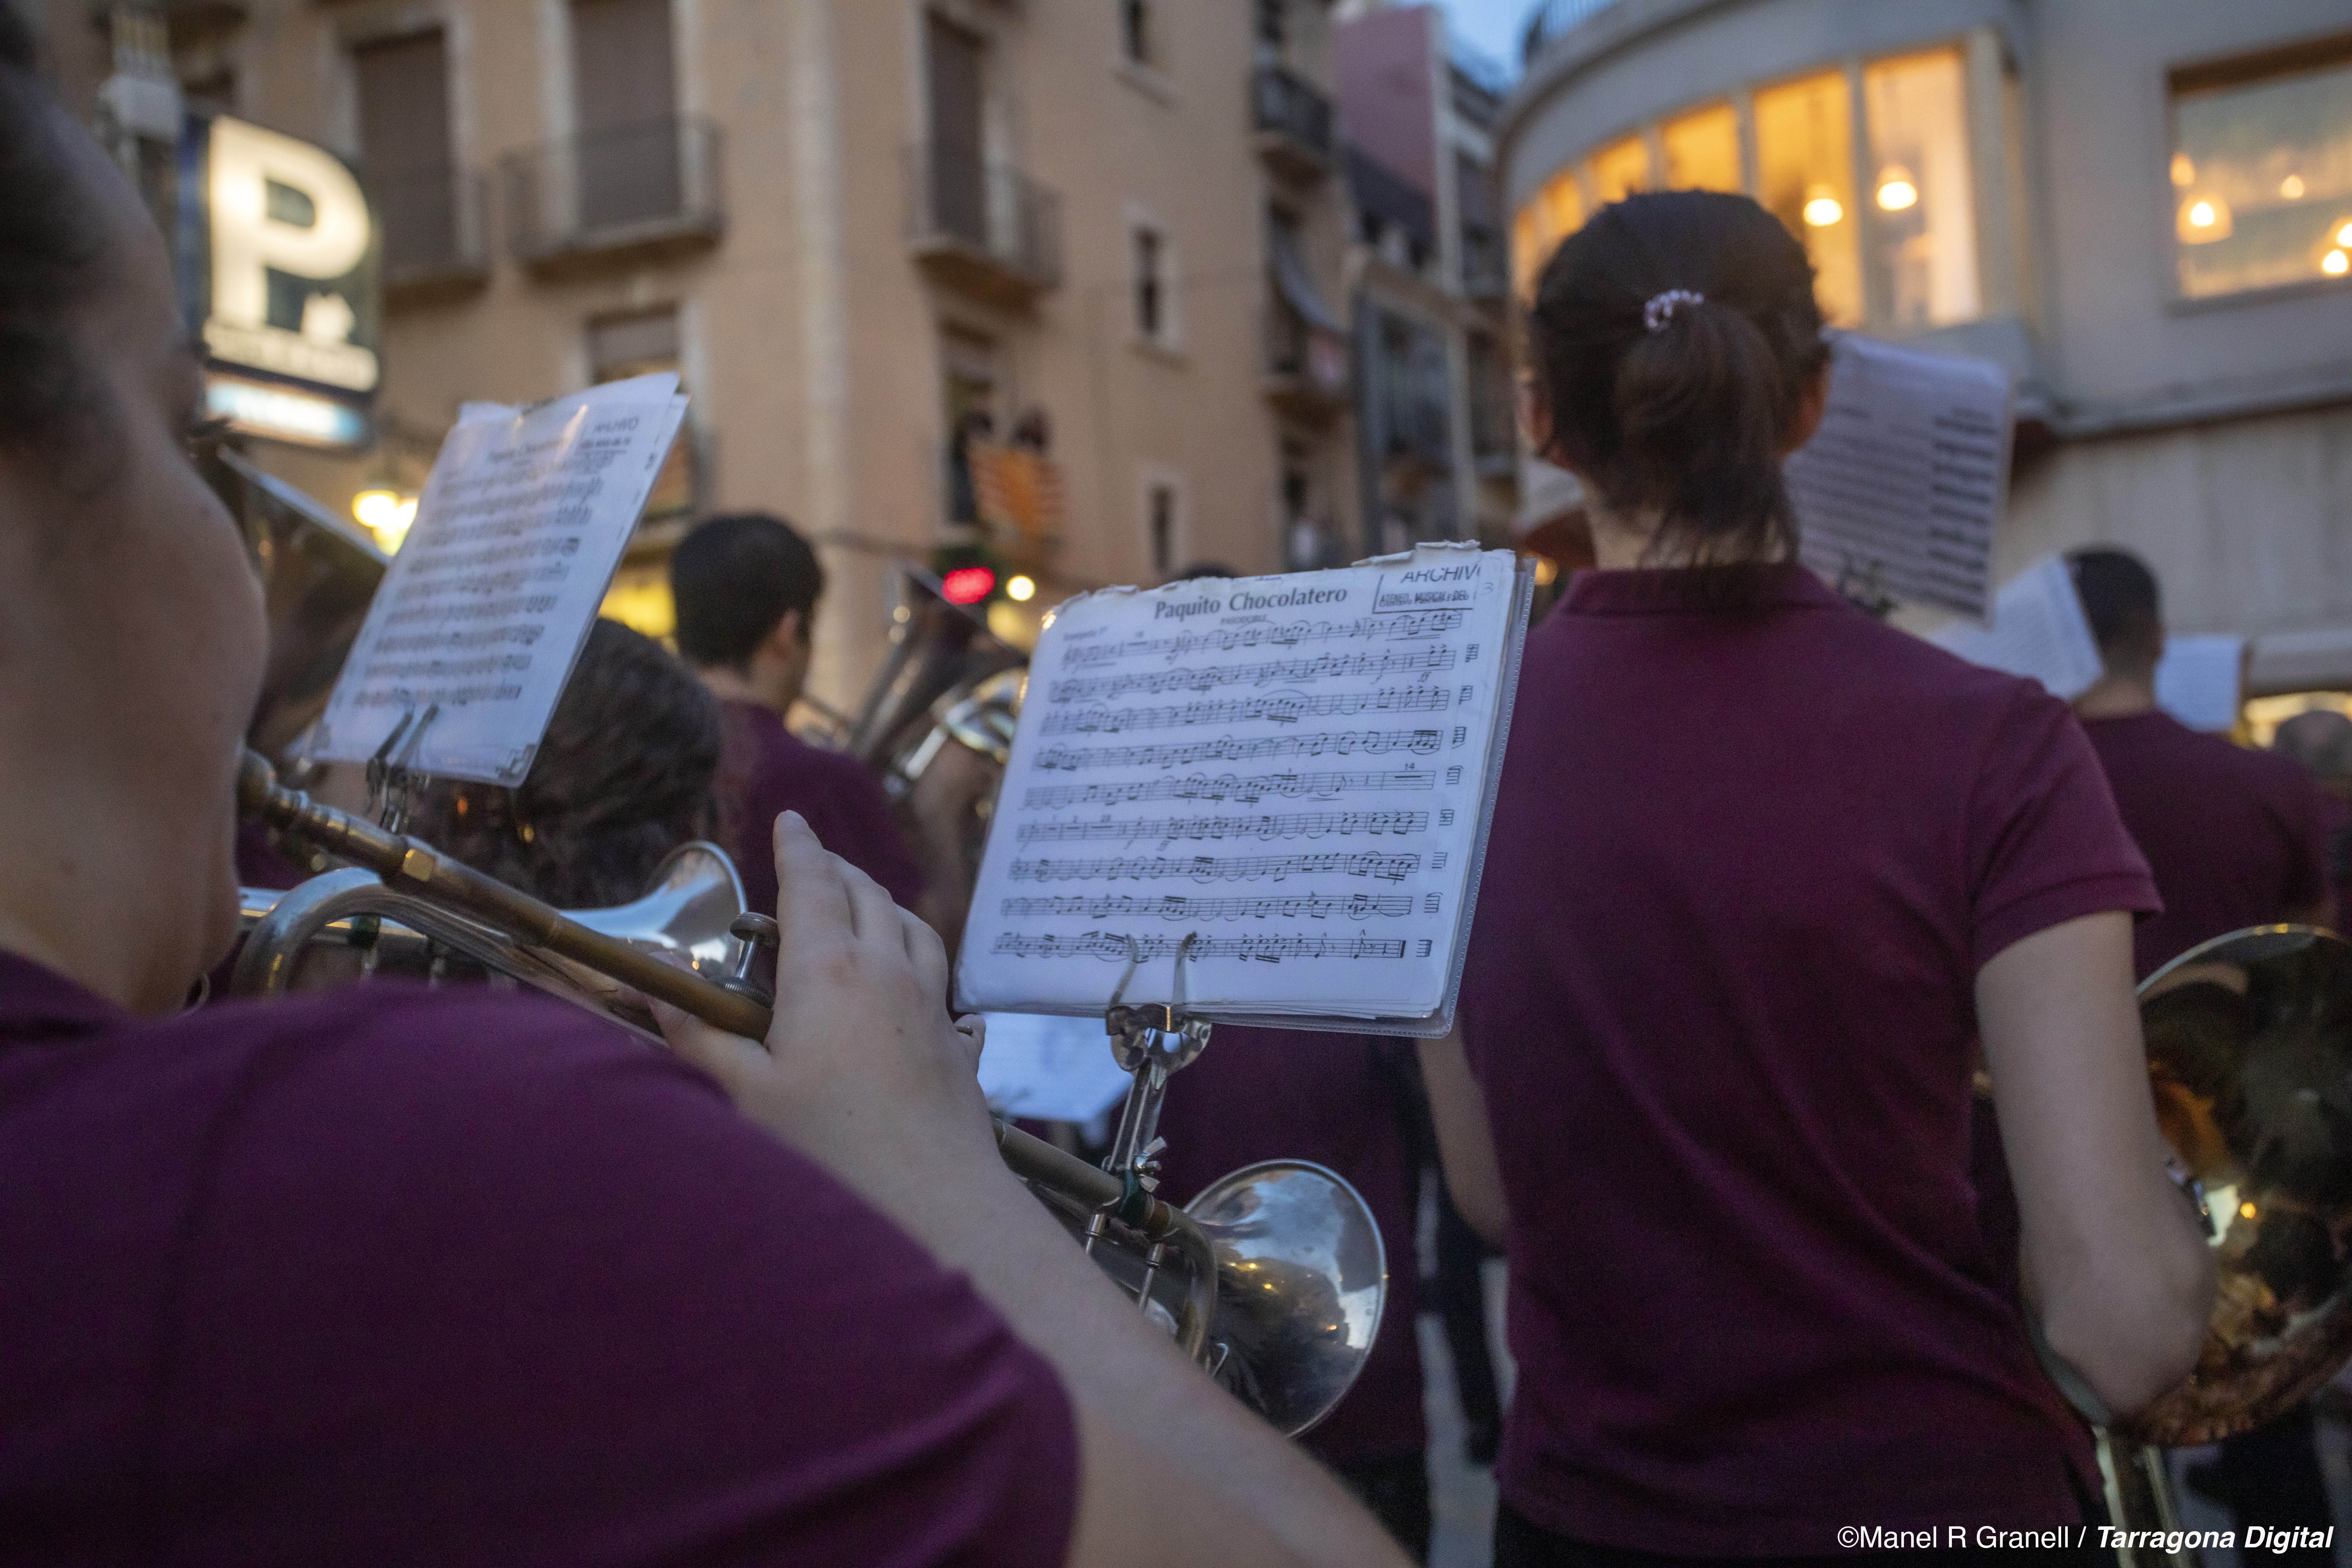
x: 1621, y: 169
x: 1702, y: 150
x: 1923, y: 203
x: 1804, y: 156
x: 1550, y: 215
x: 2262, y: 175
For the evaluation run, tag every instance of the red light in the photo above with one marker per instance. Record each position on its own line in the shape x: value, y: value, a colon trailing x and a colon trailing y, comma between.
x: 968, y: 584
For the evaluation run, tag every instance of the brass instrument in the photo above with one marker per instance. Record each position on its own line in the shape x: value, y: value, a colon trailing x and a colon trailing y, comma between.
x: 2250, y: 1056
x: 1274, y: 1279
x: 948, y: 678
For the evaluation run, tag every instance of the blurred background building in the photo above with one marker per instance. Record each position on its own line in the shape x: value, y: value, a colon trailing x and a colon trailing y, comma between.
x: 1059, y: 285
x: 2144, y: 211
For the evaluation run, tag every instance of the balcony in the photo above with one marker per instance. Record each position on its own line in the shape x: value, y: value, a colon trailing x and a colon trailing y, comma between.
x: 631, y: 194
x: 1485, y: 264
x: 435, y: 232
x: 1305, y: 365
x: 984, y: 229
x: 1293, y: 122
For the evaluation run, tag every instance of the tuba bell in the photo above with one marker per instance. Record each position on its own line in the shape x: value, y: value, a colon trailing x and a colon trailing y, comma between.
x: 947, y: 680
x: 2249, y: 1043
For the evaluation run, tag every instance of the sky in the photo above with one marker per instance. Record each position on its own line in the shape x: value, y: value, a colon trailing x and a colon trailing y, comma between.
x: 1492, y: 26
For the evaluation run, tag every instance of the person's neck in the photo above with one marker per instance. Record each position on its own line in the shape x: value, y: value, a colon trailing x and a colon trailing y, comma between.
x: 2117, y: 697
x: 106, y: 890
x: 760, y: 687
x: 1622, y: 543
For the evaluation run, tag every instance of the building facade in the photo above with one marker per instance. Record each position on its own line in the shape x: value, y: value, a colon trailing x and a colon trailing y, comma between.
x: 1435, y: 423
x: 2143, y: 211
x: 1017, y: 274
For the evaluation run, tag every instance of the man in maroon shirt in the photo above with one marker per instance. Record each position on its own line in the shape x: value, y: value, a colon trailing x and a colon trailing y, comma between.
x: 411, y: 1278
x: 2236, y: 838
x: 747, y: 588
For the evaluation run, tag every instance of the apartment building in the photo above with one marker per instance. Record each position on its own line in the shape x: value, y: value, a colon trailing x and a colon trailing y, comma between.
x: 2143, y: 211
x: 1436, y: 429
x: 1054, y: 280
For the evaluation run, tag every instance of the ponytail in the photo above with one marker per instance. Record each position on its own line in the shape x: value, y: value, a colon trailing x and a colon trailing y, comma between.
x: 1673, y: 338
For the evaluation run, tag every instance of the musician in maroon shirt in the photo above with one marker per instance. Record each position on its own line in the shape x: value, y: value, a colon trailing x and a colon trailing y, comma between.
x: 1763, y: 872
x: 2236, y: 838
x: 747, y: 588
x: 410, y: 1277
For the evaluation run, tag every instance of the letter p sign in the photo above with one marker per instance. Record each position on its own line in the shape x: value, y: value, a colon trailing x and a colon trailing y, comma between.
x: 283, y: 206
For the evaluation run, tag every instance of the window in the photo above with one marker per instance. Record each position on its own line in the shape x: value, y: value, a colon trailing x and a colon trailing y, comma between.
x: 1557, y: 212
x: 404, y: 112
x: 646, y: 343
x: 1621, y: 169
x: 1804, y: 155
x: 626, y: 95
x: 1161, y: 526
x: 1153, y: 319
x: 1136, y: 32
x: 1702, y: 150
x: 953, y: 61
x: 1923, y: 225
x: 1274, y: 23
x: 2262, y: 170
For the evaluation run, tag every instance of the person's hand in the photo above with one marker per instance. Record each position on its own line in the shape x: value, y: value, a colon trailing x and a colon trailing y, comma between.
x: 861, y: 1069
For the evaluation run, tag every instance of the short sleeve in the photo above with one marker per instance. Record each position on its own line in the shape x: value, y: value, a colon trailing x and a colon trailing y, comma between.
x: 2046, y: 842
x: 477, y: 1290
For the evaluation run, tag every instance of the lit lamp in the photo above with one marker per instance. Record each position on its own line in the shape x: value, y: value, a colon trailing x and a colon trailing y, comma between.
x: 386, y: 513
x: 1821, y: 208
x: 2184, y: 172
x: 1896, y: 192
x: 2344, y: 235
x: 2202, y: 220
x: 2292, y: 187
x: 2335, y: 264
x: 1021, y: 589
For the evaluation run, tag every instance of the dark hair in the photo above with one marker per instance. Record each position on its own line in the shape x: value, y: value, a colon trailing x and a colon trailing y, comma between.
x: 1199, y: 569
x: 1679, y: 407
x: 51, y: 237
x: 623, y: 777
x: 2320, y: 739
x: 2124, y: 606
x: 734, y: 578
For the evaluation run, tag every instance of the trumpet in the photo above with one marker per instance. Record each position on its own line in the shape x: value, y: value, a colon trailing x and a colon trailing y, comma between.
x: 1273, y: 1279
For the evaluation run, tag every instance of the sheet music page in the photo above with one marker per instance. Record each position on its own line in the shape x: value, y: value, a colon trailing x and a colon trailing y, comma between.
x: 2201, y: 681
x: 1903, y: 486
x: 1291, y: 771
x: 1050, y: 1069
x: 488, y: 604
x: 2038, y: 630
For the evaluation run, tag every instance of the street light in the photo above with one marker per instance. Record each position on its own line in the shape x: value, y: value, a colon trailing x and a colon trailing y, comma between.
x: 1021, y: 589
x: 1823, y: 209
x: 387, y: 514
x: 1895, y: 189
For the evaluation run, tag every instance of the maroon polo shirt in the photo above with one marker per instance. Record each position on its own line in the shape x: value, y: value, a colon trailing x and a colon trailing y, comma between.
x: 766, y: 771
x: 1749, y: 856
x: 395, y: 1277
x: 1339, y: 1101
x: 2235, y: 837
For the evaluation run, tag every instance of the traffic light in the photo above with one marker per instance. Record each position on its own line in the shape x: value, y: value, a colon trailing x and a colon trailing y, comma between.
x: 970, y: 574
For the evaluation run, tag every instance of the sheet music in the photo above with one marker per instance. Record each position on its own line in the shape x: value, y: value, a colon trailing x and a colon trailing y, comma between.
x: 1293, y: 771
x: 2201, y: 681
x: 1901, y: 489
x: 2038, y: 630
x: 1050, y: 1069
x: 485, y: 609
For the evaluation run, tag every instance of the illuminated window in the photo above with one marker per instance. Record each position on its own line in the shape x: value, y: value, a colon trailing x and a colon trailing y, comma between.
x: 1702, y: 150
x: 2261, y: 174
x: 1621, y: 169
x: 1923, y: 203
x: 1555, y: 212
x: 1804, y: 156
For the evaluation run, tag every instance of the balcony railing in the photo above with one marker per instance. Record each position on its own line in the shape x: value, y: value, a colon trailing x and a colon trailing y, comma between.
x: 1306, y: 365
x: 436, y: 228
x: 1293, y: 121
x: 1551, y: 18
x: 986, y: 228
x: 639, y: 187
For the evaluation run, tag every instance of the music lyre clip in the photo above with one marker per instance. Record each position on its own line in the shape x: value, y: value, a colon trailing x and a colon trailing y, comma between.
x: 392, y: 780
x: 1152, y: 1042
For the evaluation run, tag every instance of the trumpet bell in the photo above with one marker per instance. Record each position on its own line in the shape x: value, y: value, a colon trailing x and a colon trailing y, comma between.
x: 1302, y: 1277
x: 2250, y: 1057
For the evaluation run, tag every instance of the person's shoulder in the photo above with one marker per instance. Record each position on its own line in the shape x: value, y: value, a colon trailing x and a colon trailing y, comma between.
x: 2281, y: 780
